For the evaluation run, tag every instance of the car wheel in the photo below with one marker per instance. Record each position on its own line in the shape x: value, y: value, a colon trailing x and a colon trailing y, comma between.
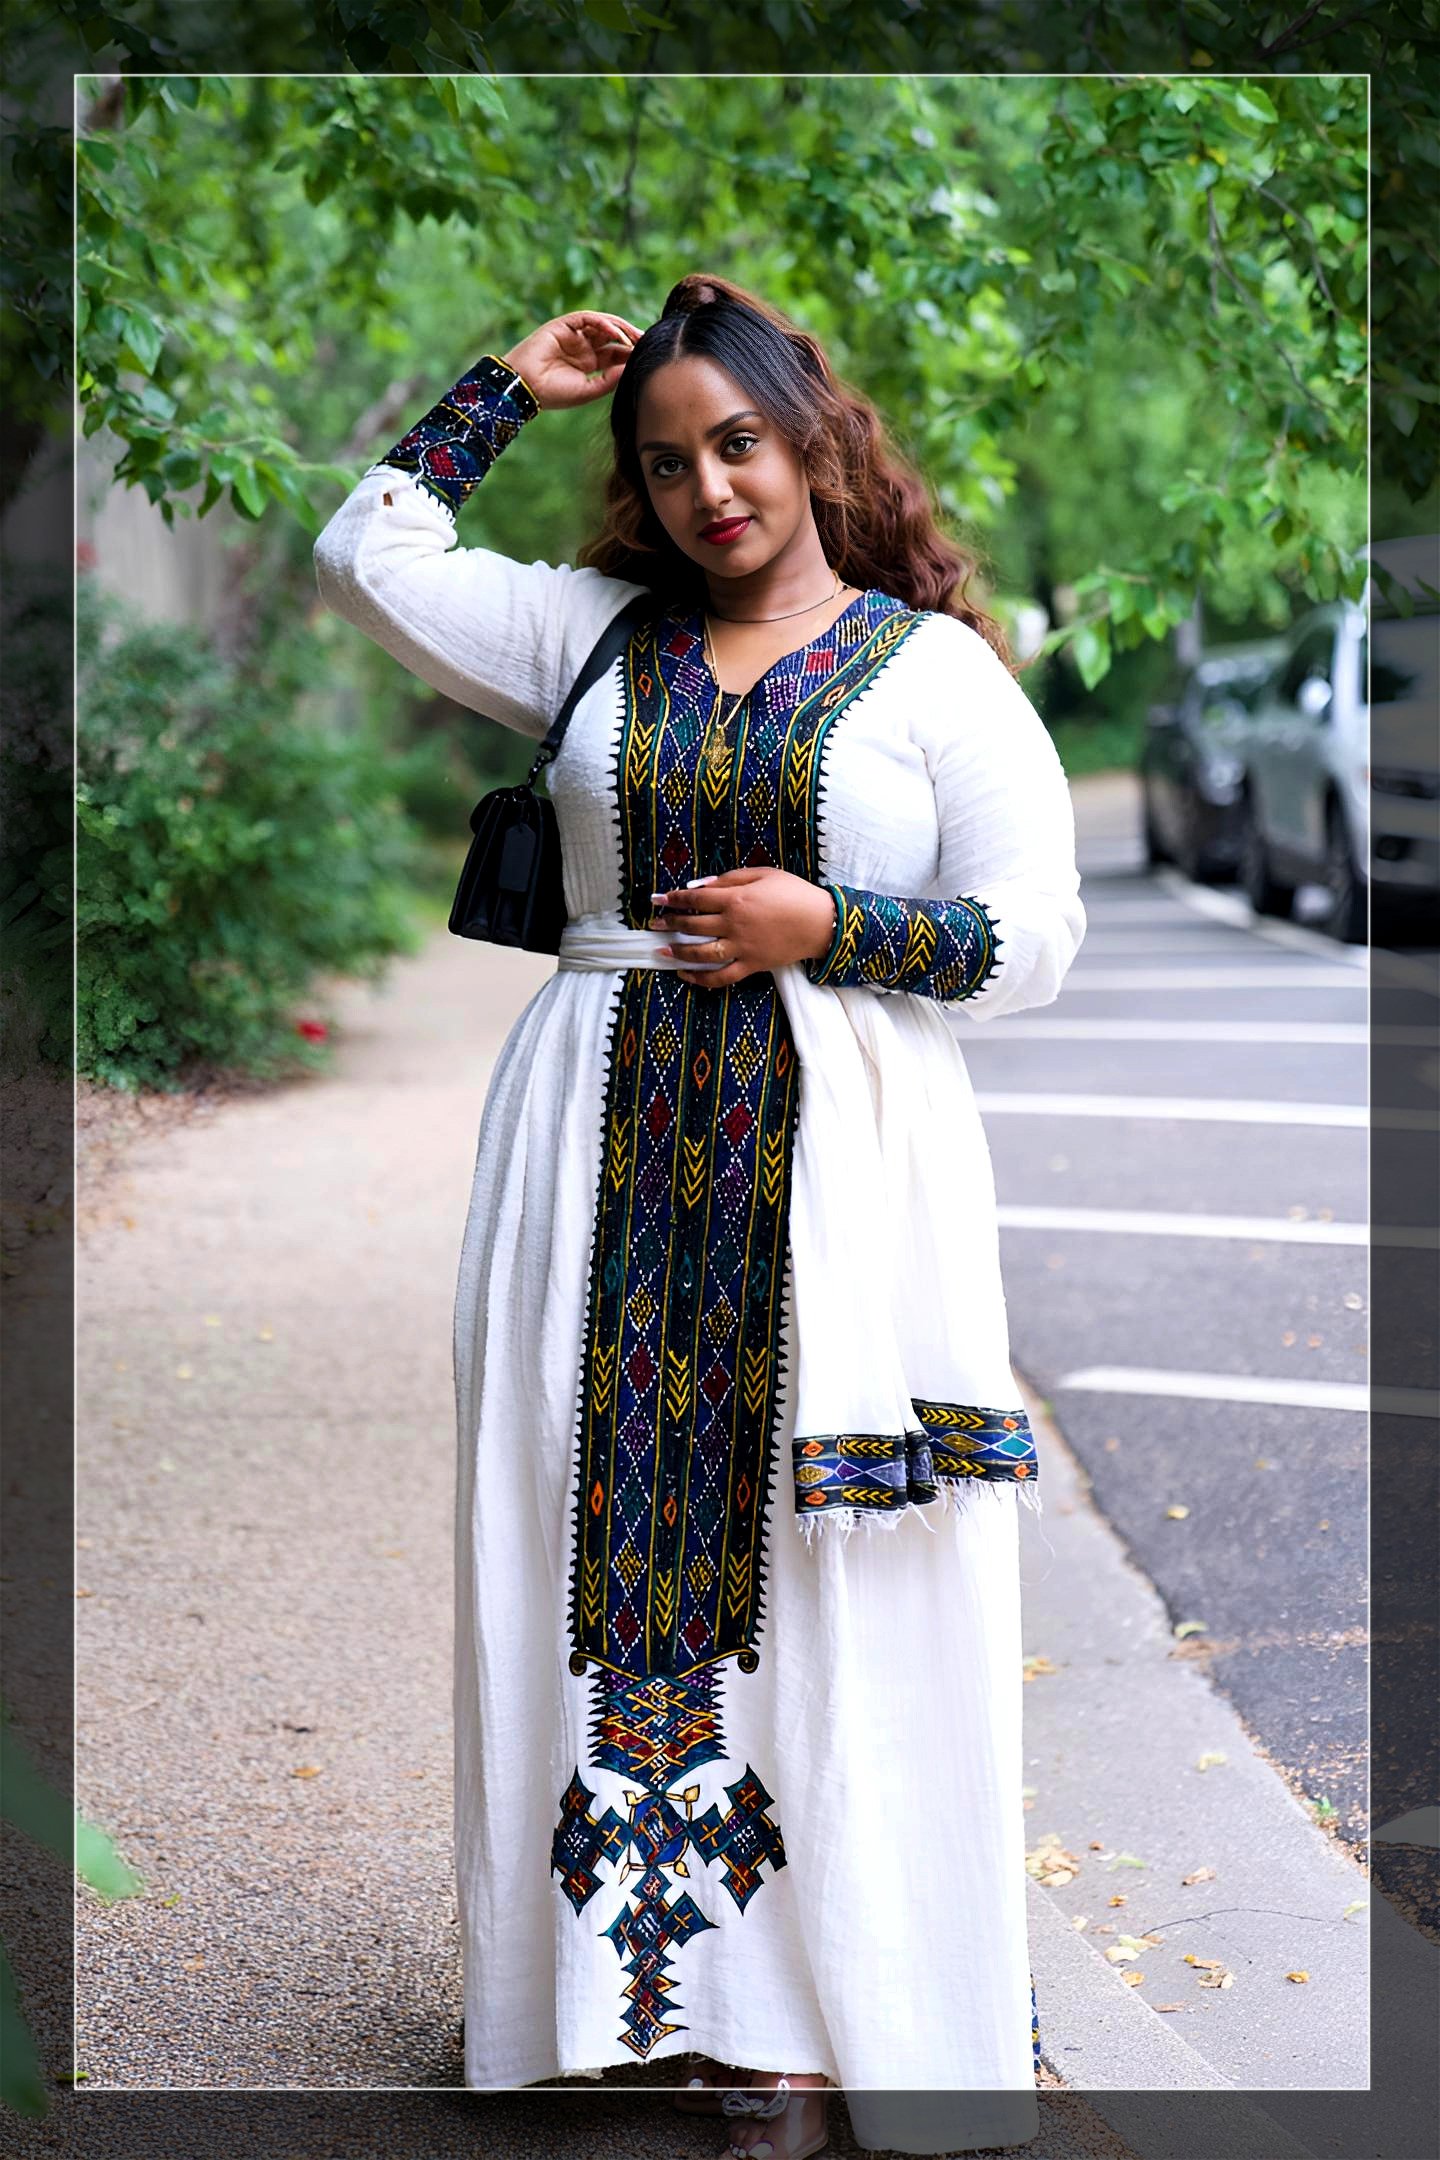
x: 1192, y: 856
x: 1347, y: 918
x: 1156, y: 851
x: 1262, y: 888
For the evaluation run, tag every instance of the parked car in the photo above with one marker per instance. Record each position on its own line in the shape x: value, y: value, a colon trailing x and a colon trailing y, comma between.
x: 1342, y: 738
x: 1190, y: 773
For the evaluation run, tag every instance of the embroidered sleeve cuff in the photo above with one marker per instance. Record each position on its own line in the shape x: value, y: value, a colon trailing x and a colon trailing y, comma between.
x: 944, y: 949
x: 453, y: 447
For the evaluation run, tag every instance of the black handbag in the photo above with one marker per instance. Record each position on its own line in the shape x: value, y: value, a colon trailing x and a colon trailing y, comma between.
x: 512, y: 888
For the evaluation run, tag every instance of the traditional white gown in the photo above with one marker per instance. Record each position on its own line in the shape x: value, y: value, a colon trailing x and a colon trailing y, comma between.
x: 721, y: 1786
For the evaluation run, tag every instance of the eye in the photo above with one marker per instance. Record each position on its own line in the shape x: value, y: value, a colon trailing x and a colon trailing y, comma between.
x: 743, y: 436
x: 656, y: 472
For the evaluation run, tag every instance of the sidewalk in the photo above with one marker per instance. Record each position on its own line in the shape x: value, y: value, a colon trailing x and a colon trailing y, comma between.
x: 265, y: 1483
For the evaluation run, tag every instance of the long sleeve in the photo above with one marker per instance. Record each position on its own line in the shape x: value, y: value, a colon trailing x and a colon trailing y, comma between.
x: 503, y: 637
x: 1011, y: 920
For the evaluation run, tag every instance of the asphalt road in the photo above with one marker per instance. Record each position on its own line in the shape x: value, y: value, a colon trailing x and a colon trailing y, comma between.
x: 1190, y: 1291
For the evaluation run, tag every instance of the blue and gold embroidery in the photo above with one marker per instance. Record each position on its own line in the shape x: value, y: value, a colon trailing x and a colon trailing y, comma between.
x: 931, y: 948
x: 453, y: 447
x: 682, y: 1365
x: 880, y: 1472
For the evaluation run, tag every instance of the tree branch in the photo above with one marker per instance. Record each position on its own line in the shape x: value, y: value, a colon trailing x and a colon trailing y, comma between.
x: 1247, y: 301
x: 1309, y: 231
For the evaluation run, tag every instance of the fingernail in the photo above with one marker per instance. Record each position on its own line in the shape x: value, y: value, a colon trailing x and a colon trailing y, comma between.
x: 700, y: 880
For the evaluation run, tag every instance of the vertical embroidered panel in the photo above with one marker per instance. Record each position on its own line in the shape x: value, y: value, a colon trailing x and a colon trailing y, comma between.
x: 682, y: 1364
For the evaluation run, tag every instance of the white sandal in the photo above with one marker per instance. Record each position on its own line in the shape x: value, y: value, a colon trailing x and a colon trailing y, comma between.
x: 769, y: 2107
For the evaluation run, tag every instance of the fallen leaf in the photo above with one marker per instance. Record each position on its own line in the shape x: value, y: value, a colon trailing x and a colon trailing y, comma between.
x: 1356, y: 1905
x: 1080, y: 1920
x: 1034, y: 1666
x: 84, y: 1593
x: 1127, y: 1859
x: 1050, y: 1864
x: 1287, y: 1340
x: 1210, y: 1760
x: 1217, y: 1980
x: 1097, y: 1844
x: 1119, y: 1898
x: 1177, y: 1513
x: 306, y: 1770
x: 1201, y: 1874
x: 1106, y: 1929
x: 1117, y: 1954
x: 1183, y: 1628
x: 1136, y: 1943
x: 1297, y: 1976
x: 1133, y: 1979
x: 1313, y: 1342
x: 1163, y: 2007
x: 1353, y: 1301
x: 1204, y: 1964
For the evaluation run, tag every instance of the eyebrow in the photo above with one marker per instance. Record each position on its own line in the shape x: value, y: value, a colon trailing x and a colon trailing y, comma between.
x: 749, y: 413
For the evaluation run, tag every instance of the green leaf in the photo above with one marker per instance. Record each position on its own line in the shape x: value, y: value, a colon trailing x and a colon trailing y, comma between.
x: 247, y: 491
x: 1251, y: 100
x: 144, y: 337
x: 1091, y: 647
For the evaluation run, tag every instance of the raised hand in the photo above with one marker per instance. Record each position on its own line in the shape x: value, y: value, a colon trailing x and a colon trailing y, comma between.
x: 574, y: 358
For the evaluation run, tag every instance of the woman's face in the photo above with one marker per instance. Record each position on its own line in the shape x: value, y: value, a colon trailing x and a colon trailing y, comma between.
x: 728, y: 488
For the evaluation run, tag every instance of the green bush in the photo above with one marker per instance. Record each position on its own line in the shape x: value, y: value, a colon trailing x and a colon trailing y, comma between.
x: 229, y: 847
x: 35, y: 812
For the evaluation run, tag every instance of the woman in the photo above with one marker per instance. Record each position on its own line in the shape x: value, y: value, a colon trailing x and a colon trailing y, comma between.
x: 731, y: 1269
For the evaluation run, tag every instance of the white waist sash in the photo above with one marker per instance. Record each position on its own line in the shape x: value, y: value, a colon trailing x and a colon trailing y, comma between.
x: 894, y: 1249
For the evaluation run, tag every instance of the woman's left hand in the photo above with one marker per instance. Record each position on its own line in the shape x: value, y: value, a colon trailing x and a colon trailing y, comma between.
x: 751, y: 920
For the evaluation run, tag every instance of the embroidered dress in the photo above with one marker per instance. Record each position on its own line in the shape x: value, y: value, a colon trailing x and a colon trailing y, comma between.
x: 729, y: 1778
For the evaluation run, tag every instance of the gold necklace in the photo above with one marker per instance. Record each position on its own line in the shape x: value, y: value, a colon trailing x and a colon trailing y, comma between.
x: 715, y: 745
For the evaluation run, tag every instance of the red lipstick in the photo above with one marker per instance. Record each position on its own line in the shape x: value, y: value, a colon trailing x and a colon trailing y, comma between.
x: 726, y: 530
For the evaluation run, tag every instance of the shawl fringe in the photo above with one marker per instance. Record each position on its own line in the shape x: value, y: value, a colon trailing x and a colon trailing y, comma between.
x: 952, y: 1495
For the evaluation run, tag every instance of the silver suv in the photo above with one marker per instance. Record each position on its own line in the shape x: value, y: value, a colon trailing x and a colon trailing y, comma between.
x: 1342, y: 766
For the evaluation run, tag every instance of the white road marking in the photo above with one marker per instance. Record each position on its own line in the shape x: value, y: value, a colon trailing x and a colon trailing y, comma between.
x: 1353, y: 1034
x: 1237, y: 1387
x: 1234, y: 909
x: 1277, y: 977
x: 1198, y: 1109
x: 1258, y: 1229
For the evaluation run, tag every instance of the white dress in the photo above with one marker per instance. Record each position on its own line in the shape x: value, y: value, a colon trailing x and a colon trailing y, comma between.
x: 721, y: 1786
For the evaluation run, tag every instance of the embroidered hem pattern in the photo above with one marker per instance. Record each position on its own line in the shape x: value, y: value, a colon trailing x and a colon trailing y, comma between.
x: 878, y: 1472
x: 932, y: 948
x: 453, y: 447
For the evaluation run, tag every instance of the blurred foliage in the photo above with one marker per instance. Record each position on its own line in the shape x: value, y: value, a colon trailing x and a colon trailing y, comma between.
x: 996, y: 264
x: 1217, y: 41
x: 43, y: 1813
x: 36, y: 816
x: 230, y: 845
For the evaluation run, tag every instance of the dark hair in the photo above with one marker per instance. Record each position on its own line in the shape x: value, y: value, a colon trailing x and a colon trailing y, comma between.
x: 877, y: 519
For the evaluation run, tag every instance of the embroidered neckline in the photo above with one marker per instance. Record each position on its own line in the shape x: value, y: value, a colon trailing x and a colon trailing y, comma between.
x: 796, y: 663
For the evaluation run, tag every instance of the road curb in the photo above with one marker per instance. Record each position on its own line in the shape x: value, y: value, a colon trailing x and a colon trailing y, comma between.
x: 1116, y: 1726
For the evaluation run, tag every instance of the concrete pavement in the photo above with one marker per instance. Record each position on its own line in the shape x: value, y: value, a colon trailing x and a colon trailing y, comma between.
x: 265, y: 1469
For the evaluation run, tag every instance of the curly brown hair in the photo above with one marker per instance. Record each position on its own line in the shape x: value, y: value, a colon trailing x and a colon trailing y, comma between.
x: 878, y: 520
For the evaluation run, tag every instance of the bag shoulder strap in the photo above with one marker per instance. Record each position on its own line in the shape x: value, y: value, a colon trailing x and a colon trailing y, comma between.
x: 603, y: 654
